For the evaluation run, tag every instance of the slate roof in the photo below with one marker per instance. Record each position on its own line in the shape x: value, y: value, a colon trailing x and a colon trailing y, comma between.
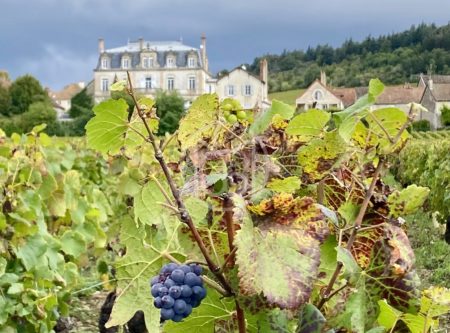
x: 348, y: 96
x: 439, y: 79
x: 441, y: 92
x: 400, y: 95
x: 162, y: 49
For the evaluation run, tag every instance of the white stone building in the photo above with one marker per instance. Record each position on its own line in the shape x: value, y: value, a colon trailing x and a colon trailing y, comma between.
x: 171, y: 66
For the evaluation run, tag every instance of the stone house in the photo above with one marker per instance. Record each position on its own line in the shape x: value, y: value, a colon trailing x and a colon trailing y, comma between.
x: 399, y: 97
x: 319, y: 96
x: 172, y: 66
x: 61, y: 100
x: 436, y: 95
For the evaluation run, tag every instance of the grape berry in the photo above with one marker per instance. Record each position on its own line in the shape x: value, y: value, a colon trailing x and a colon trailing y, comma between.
x: 177, y: 290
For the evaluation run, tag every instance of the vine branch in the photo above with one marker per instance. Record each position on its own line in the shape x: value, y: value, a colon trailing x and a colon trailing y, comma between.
x: 184, y: 215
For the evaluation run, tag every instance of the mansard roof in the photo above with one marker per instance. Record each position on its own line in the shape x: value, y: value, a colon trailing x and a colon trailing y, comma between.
x: 162, y: 49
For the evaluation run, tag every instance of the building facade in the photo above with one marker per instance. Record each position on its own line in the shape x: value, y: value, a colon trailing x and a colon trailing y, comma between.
x: 170, y: 66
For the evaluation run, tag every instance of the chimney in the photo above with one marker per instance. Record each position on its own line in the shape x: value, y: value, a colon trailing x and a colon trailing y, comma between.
x: 430, y: 83
x: 203, y: 52
x: 264, y: 76
x: 101, y: 45
x: 263, y: 71
x: 323, y: 78
x: 141, y: 44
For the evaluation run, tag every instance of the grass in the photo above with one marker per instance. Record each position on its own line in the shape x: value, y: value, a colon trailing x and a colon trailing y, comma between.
x: 288, y: 96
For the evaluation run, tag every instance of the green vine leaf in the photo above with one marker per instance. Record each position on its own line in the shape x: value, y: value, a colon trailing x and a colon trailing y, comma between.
x: 352, y: 269
x: 262, y: 121
x: 308, y: 125
x: 319, y: 156
x: 286, y: 185
x: 143, y: 260
x: 311, y: 320
x: 199, y: 122
x: 385, y: 125
x: 213, y: 309
x: 408, y: 200
x: 118, y: 86
x: 106, y: 131
x: 148, y: 208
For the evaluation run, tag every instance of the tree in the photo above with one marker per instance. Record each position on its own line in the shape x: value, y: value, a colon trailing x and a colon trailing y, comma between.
x: 5, y: 100
x: 170, y: 108
x: 25, y: 91
x: 39, y: 113
x: 81, y: 104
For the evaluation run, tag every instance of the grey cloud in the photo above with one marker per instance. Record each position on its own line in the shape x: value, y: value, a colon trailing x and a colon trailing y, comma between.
x: 56, y: 40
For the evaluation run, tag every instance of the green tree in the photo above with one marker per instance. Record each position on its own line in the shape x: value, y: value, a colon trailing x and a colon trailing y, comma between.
x: 81, y: 104
x: 5, y: 100
x: 25, y: 91
x: 39, y: 113
x: 445, y: 116
x: 170, y: 110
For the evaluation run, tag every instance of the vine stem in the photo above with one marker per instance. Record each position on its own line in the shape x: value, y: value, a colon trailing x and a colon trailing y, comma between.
x: 185, y: 217
x: 357, y: 226
x: 228, y: 217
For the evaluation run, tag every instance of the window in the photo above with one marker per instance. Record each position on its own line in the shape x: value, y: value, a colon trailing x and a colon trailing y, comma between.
x: 125, y: 63
x: 105, y: 84
x: 318, y: 95
x: 230, y: 90
x: 247, y: 90
x: 191, y: 62
x: 191, y: 83
x: 170, y: 83
x: 147, y: 62
x: 170, y: 62
x: 105, y: 63
x: 148, y: 83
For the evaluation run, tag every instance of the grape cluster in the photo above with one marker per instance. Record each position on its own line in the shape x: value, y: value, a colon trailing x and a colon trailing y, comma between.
x: 232, y: 115
x: 177, y: 290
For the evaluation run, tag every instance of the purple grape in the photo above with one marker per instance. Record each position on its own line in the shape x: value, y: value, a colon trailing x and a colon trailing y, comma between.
x: 169, y: 268
x: 177, y: 318
x: 169, y: 283
x: 167, y: 314
x: 175, y: 292
x: 195, y: 303
x: 178, y: 276
x: 186, y: 291
x: 191, y: 279
x: 188, y: 310
x: 179, y: 306
x: 155, y: 289
x: 197, y: 269
x: 163, y: 291
x: 157, y: 302
x: 186, y: 269
x: 154, y: 280
x: 167, y: 302
x: 199, y: 292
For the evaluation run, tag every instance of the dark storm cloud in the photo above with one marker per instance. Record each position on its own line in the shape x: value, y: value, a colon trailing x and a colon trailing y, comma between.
x: 56, y: 40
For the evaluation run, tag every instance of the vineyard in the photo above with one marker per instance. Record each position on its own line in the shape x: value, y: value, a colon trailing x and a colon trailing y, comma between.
x: 241, y: 221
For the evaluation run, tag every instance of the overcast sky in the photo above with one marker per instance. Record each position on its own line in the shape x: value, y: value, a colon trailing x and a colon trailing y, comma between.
x: 56, y: 40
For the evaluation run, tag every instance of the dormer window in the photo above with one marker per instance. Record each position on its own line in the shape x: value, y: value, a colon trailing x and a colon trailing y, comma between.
x: 170, y: 62
x: 105, y: 63
x: 125, y: 62
x: 148, y: 62
x: 192, y: 62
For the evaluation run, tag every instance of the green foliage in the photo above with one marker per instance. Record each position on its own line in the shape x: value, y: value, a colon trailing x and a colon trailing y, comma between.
x: 420, y: 126
x: 396, y: 58
x: 5, y: 100
x: 426, y: 163
x: 26, y: 90
x: 445, y: 115
x: 53, y: 211
x: 170, y: 109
